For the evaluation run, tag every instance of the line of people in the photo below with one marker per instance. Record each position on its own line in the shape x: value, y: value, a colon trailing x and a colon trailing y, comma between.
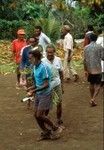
x: 43, y: 73
x: 47, y: 77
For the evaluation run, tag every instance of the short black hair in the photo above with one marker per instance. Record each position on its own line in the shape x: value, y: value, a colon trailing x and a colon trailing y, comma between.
x: 36, y: 53
x: 38, y: 27
x: 93, y: 37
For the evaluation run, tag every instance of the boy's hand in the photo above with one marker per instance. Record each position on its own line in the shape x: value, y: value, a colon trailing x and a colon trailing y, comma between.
x: 30, y: 88
x: 30, y: 93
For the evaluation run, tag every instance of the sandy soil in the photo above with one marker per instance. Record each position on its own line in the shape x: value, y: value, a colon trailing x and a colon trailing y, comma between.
x: 19, y: 130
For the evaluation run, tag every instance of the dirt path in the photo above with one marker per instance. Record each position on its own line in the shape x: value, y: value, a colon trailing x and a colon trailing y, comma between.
x: 18, y: 129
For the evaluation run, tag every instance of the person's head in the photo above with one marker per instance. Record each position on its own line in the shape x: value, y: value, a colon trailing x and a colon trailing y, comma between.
x: 35, y: 57
x: 93, y: 37
x: 33, y: 41
x: 38, y: 30
x: 50, y: 51
x: 21, y: 34
x: 65, y: 29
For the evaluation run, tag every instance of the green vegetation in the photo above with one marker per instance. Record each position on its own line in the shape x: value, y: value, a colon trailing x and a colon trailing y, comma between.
x: 6, y: 63
x: 51, y: 16
x: 15, y: 14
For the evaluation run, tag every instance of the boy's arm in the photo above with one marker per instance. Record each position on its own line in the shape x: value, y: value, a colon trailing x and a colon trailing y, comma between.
x: 44, y: 86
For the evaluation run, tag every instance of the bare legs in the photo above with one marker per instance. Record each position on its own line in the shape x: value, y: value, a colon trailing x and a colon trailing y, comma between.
x: 18, y: 74
x: 94, y: 91
x: 42, y: 121
x: 58, y: 113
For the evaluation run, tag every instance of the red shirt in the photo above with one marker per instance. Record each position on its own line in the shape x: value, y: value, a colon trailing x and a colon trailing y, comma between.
x: 17, y: 45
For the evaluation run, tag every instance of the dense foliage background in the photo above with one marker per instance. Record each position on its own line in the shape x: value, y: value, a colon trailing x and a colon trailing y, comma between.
x: 51, y: 15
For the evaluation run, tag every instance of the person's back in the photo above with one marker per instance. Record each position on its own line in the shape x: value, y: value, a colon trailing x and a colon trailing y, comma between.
x: 93, y: 54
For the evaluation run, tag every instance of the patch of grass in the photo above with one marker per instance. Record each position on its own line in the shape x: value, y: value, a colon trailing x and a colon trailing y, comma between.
x: 7, y: 68
x: 7, y: 65
x: 78, y: 64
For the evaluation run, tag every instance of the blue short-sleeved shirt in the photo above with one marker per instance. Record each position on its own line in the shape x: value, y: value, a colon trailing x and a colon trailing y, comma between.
x: 41, y: 73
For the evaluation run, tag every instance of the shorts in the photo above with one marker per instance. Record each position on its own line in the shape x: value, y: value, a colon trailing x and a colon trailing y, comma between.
x: 58, y: 91
x: 102, y: 79
x: 43, y: 101
x: 94, y: 78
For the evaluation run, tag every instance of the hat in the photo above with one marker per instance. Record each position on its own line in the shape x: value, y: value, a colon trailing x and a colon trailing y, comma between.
x: 67, y: 27
x: 21, y: 31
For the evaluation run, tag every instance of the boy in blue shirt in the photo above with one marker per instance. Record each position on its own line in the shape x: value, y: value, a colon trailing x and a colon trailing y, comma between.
x: 43, y: 96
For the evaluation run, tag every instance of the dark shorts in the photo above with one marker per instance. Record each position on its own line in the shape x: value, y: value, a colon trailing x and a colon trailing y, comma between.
x: 102, y: 79
x: 94, y: 78
x: 43, y: 101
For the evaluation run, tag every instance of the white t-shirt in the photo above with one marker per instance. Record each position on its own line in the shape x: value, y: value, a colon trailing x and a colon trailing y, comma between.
x: 55, y: 67
x: 68, y: 42
x: 100, y: 40
x: 44, y: 40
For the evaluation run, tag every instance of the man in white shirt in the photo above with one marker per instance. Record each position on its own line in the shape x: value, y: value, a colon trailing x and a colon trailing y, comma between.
x: 100, y: 40
x: 44, y: 40
x: 68, y: 48
x: 55, y: 65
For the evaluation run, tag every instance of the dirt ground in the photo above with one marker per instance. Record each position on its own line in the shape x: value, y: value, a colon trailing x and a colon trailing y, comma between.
x: 19, y: 130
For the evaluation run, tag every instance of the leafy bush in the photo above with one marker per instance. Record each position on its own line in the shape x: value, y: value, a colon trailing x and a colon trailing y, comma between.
x: 99, y: 21
x: 29, y: 14
x: 9, y: 28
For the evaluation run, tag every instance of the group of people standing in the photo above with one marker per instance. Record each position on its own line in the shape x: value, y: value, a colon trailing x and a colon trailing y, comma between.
x: 41, y: 40
x: 48, y: 72
x: 37, y: 53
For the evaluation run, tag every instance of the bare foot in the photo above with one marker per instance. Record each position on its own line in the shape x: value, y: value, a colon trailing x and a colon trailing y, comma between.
x: 92, y: 102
